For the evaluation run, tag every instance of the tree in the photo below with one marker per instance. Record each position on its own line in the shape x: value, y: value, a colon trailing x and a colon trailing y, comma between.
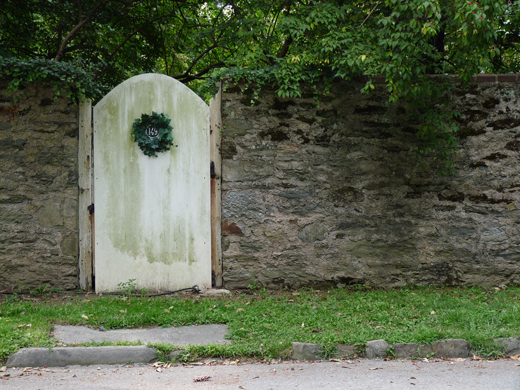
x: 117, y: 37
x: 285, y: 42
x: 295, y: 41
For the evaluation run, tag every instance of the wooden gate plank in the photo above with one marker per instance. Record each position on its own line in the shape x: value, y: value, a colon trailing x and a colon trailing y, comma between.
x: 216, y: 180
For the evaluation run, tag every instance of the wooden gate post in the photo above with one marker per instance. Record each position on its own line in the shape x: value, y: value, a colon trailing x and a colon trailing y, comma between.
x: 216, y: 180
x: 85, y: 195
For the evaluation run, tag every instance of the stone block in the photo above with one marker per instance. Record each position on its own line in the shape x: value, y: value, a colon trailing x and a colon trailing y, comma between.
x: 493, y: 235
x: 344, y: 351
x: 241, y: 204
x: 251, y: 247
x: 511, y: 345
x: 50, y: 215
x: 14, y: 216
x: 305, y: 351
x: 477, y: 209
x: 225, y: 244
x: 229, y: 149
x: 313, y: 232
x: 70, y: 245
x: 57, y: 155
x: 450, y: 348
x: 221, y: 292
x: 412, y: 350
x: 511, y: 254
x: 381, y: 249
x: 174, y: 355
x: 246, y: 170
x: 9, y: 144
x: 15, y: 198
x: 296, y: 194
x: 236, y: 127
x: 5, y: 125
x: 377, y: 349
x: 69, y: 211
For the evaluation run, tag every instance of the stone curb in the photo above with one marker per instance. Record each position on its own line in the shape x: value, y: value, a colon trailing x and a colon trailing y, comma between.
x: 70, y: 356
x: 450, y: 348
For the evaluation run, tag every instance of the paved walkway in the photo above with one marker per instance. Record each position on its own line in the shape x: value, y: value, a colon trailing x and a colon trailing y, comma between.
x: 182, y: 335
x: 70, y: 335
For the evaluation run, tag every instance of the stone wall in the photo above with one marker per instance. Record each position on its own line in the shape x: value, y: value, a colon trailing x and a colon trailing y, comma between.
x: 329, y: 193
x: 38, y: 191
x: 314, y: 193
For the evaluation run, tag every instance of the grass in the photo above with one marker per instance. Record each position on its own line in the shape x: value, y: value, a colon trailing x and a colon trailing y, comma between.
x: 263, y: 323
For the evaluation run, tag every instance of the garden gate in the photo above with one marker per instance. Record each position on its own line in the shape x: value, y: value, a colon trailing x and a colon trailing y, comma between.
x: 153, y: 215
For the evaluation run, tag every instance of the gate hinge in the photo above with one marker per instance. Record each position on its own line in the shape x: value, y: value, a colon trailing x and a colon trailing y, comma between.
x: 91, y: 209
x: 213, y: 175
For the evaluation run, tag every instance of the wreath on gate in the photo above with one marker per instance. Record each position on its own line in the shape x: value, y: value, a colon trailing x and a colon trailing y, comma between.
x: 153, y: 133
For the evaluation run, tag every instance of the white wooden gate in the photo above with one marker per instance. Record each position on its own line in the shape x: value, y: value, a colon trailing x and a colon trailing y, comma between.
x: 152, y: 214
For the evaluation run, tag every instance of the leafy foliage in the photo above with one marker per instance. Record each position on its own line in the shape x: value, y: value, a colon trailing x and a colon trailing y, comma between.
x: 70, y: 79
x: 406, y: 41
x: 280, y: 42
x: 153, y: 134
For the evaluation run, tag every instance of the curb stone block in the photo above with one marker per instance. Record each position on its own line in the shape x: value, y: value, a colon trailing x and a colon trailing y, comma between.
x: 344, y: 351
x: 305, y: 351
x: 511, y: 344
x: 412, y: 350
x: 83, y: 356
x: 450, y: 348
x: 377, y: 349
x: 172, y: 356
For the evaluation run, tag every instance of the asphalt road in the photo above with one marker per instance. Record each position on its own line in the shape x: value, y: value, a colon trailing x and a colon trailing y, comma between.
x: 364, y: 374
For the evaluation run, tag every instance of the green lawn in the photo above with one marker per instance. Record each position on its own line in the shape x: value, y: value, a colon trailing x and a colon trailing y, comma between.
x: 264, y: 323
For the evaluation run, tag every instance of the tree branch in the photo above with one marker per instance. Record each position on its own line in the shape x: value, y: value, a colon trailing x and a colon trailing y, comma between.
x: 83, y: 22
x: 78, y: 27
x: 80, y: 11
x: 185, y: 78
x: 237, y: 10
x: 370, y: 13
x: 129, y: 36
x: 206, y: 51
x: 285, y: 48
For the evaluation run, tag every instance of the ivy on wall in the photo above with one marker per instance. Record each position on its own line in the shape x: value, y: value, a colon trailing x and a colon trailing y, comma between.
x: 71, y: 79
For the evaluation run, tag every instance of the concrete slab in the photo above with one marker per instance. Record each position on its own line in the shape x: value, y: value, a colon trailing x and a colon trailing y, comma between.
x: 184, y: 335
x: 61, y: 357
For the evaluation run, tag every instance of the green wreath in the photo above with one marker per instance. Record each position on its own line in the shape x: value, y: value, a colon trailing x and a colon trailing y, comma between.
x: 153, y: 133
